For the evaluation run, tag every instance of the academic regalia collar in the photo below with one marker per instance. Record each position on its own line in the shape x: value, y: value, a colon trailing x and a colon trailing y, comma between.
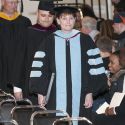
x: 67, y: 35
x: 5, y: 16
x: 93, y: 34
x: 44, y: 29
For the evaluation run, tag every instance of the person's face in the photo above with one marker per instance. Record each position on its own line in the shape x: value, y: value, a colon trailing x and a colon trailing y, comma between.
x: 114, y: 65
x: 45, y: 19
x: 10, y: 6
x: 85, y: 29
x: 66, y: 22
x: 117, y: 28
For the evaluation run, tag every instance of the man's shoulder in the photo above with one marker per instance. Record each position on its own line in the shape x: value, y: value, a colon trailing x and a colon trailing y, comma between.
x: 24, y: 18
x: 86, y: 38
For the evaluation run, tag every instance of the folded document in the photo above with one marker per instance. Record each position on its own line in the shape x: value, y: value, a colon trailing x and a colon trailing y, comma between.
x: 115, y: 101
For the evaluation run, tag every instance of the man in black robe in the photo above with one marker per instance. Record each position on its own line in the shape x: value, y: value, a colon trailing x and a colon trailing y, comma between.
x: 34, y: 37
x: 12, y: 28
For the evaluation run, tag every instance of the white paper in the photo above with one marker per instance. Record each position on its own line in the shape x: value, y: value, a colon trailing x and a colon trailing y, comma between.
x: 116, y: 99
x: 102, y: 108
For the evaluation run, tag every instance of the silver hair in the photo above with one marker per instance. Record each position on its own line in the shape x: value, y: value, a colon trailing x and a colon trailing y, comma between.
x: 89, y: 22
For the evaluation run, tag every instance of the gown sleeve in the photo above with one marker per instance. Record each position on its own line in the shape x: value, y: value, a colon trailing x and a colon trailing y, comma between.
x: 40, y: 71
x: 95, y: 77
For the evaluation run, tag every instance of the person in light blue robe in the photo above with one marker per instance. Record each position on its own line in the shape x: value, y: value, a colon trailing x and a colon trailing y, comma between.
x: 75, y: 60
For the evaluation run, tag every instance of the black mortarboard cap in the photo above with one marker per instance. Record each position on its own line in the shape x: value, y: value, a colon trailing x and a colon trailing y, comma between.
x: 46, y: 5
x: 65, y: 9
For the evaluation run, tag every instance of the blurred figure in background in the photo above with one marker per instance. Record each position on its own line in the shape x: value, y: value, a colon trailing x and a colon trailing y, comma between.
x: 88, y: 11
x: 89, y: 26
x: 106, y: 29
x: 119, y: 6
x: 78, y: 24
x: 12, y: 29
x: 119, y: 29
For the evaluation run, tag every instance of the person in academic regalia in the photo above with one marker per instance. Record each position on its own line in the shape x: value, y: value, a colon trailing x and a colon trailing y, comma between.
x: 34, y: 37
x: 76, y: 63
x: 12, y: 28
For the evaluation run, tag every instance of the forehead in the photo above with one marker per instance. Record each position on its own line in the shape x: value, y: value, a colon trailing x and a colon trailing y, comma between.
x: 43, y: 12
x: 66, y: 15
x: 113, y: 58
x: 116, y: 24
x: 11, y: 0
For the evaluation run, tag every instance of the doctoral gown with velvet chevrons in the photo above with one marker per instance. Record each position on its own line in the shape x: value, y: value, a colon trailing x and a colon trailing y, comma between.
x: 78, y: 69
x: 34, y: 36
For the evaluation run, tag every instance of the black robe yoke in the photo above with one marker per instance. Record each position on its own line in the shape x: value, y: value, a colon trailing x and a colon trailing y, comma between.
x: 34, y: 36
x: 12, y: 41
x: 89, y: 83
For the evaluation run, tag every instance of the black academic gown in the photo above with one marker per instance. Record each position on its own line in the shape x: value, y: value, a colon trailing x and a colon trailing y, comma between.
x: 35, y: 35
x: 0, y: 61
x: 12, y: 41
x: 33, y: 38
x: 89, y: 83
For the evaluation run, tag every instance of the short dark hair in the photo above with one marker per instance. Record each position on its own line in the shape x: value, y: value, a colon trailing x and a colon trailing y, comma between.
x: 105, y: 44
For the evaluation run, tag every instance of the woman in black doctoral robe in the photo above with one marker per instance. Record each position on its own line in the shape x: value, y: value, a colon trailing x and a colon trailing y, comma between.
x: 76, y: 63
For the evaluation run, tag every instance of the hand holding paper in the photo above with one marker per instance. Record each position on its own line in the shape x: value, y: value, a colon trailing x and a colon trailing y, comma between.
x: 115, y: 101
x: 102, y: 108
x: 109, y: 111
